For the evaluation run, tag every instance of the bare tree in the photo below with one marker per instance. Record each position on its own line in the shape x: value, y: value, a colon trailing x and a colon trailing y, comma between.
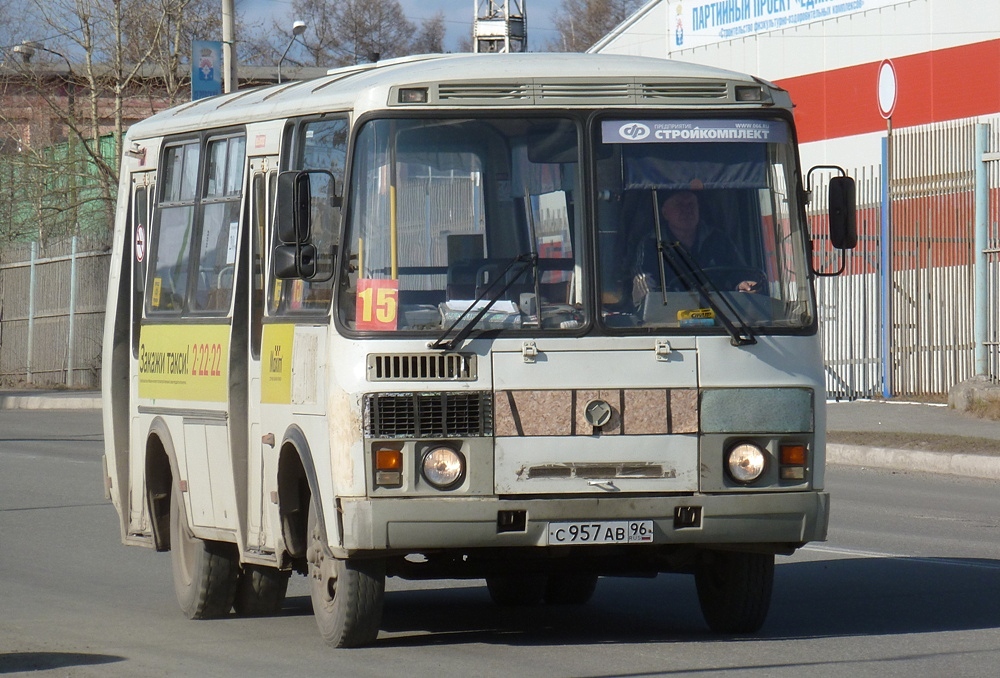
x: 81, y: 86
x: 15, y: 25
x: 372, y: 27
x: 160, y: 35
x: 430, y: 37
x: 581, y: 23
x: 345, y: 32
x: 322, y: 40
x: 93, y: 46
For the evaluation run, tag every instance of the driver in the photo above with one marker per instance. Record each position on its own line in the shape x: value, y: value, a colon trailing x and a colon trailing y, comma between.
x: 707, y: 246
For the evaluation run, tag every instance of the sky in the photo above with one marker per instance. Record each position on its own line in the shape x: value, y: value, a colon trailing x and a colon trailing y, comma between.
x: 458, y: 16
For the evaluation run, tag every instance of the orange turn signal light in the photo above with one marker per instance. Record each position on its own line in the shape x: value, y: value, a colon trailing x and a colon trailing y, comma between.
x: 794, y: 455
x: 388, y: 460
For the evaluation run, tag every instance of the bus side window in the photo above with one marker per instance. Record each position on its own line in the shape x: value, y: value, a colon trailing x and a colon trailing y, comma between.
x: 172, y: 229
x: 220, y: 224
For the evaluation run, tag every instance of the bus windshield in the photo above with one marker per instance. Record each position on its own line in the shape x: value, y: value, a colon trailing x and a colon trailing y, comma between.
x: 449, y: 215
x: 698, y: 226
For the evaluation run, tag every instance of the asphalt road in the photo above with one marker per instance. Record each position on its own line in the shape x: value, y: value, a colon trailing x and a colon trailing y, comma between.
x: 907, y: 585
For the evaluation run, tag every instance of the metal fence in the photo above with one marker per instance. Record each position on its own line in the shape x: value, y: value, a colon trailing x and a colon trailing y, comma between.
x: 52, y: 300
x: 849, y: 304
x: 916, y: 311
x: 988, y: 249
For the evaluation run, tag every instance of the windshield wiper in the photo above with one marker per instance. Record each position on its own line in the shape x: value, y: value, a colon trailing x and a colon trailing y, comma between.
x: 530, y: 261
x: 694, y: 276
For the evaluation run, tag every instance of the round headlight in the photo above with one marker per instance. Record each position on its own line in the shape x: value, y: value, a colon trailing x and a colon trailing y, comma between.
x: 443, y: 467
x: 746, y: 462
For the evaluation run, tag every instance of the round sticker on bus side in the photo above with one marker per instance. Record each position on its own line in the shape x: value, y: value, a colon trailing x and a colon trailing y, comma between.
x: 140, y: 243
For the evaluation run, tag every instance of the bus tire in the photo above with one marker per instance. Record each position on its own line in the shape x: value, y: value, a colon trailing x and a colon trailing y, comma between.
x: 347, y: 595
x: 261, y: 591
x: 734, y: 590
x: 570, y: 588
x: 512, y: 590
x: 205, y: 572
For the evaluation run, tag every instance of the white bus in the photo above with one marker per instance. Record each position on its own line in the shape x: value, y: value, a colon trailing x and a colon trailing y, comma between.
x: 434, y: 318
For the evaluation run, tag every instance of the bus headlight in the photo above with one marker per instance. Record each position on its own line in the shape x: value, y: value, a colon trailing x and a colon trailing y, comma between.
x: 443, y: 467
x: 746, y: 462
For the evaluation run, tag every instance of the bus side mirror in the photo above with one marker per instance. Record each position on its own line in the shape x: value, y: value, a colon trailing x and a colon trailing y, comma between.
x: 295, y: 255
x: 294, y: 200
x: 291, y: 261
x: 843, y: 213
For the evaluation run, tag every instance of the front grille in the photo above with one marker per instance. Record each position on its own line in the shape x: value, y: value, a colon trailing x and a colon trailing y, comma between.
x: 422, y: 367
x: 451, y: 414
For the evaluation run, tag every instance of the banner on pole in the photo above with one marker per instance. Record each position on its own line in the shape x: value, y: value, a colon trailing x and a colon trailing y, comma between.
x: 206, y: 68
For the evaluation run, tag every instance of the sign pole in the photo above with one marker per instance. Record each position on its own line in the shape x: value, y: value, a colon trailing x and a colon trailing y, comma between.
x: 228, y: 48
x: 886, y: 96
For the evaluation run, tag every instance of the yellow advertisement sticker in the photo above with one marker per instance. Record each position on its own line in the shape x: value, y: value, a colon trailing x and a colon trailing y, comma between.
x: 157, y: 288
x: 276, y: 364
x: 696, y: 317
x: 184, y: 362
x: 695, y: 314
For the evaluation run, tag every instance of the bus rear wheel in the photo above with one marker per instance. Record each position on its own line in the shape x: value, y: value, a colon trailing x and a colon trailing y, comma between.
x: 205, y: 572
x: 261, y: 591
x: 347, y: 595
x: 734, y: 590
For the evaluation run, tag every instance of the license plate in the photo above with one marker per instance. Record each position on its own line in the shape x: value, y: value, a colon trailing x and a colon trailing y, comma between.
x: 602, y: 532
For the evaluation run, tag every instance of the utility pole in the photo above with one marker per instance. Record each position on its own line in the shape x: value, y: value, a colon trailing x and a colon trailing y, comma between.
x: 499, y: 26
x: 229, y: 82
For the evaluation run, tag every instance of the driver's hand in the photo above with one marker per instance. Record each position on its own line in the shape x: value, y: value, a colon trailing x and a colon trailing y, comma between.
x: 749, y: 286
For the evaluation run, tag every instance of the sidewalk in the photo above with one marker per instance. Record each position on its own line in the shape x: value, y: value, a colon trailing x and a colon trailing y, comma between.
x: 912, y: 437
x: 877, y: 434
x: 50, y: 400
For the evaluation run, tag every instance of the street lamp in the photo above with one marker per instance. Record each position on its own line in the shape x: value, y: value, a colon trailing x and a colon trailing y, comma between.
x: 26, y: 49
x: 298, y: 28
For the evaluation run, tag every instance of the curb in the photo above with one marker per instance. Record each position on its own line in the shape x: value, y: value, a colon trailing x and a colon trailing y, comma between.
x: 966, y: 465
x: 48, y: 402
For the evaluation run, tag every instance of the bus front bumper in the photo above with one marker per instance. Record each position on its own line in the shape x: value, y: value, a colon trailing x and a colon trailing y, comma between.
x: 419, y: 524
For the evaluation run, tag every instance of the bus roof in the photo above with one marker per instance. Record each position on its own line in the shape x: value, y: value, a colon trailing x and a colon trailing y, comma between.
x: 528, y: 80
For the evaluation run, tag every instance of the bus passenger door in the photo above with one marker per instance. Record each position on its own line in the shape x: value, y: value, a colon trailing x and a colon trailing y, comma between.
x: 138, y: 233
x: 263, y: 452
x: 292, y: 341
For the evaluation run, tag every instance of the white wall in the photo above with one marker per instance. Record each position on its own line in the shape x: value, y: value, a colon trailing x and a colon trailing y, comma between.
x: 890, y: 29
x: 863, y: 37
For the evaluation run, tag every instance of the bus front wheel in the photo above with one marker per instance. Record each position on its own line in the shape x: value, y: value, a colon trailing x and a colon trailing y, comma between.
x: 346, y: 594
x: 205, y: 572
x: 734, y: 590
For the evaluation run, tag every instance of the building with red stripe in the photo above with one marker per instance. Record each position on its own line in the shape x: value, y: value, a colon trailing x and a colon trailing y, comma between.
x: 827, y: 54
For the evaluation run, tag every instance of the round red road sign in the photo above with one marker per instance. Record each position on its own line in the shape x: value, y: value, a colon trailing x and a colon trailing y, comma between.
x: 886, y: 88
